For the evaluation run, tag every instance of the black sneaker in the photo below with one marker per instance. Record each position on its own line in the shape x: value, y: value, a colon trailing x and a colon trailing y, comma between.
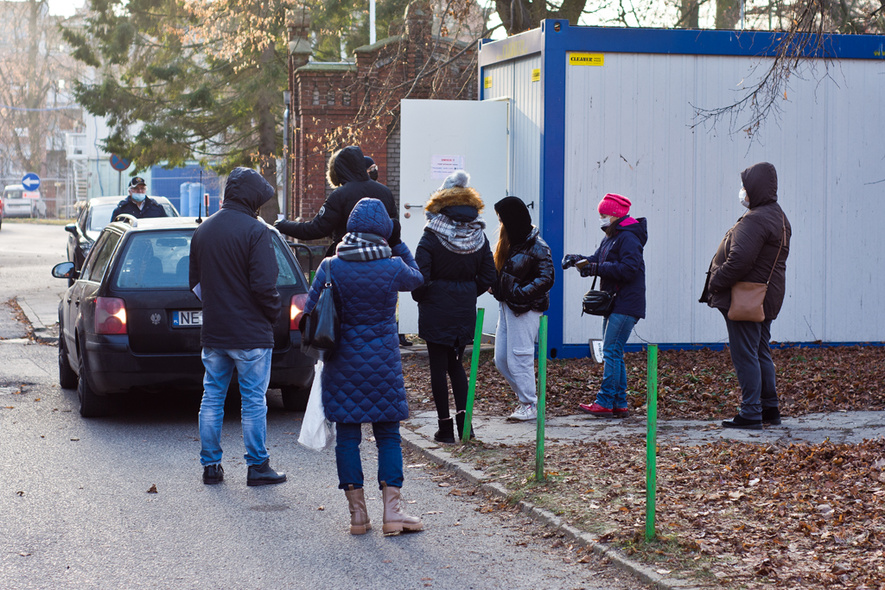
x: 263, y: 475
x: 771, y: 416
x: 742, y: 423
x: 213, y: 474
x: 403, y: 341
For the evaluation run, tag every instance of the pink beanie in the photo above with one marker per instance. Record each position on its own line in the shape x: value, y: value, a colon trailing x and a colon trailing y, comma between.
x: 614, y: 205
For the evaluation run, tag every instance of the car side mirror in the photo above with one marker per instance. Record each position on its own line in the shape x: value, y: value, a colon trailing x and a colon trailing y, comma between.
x: 65, y: 270
x: 71, y: 228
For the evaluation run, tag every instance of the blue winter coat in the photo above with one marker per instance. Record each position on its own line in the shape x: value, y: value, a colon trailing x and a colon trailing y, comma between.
x: 622, y: 267
x: 363, y: 381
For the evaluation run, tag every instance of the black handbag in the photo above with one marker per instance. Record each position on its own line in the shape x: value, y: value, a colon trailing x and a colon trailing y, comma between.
x: 321, y: 330
x: 597, y: 302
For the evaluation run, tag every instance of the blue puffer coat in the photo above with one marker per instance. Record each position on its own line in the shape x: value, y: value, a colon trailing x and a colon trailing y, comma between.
x: 363, y: 381
x: 622, y: 267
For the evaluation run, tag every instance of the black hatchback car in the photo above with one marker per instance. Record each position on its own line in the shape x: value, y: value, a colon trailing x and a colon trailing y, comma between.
x: 130, y: 322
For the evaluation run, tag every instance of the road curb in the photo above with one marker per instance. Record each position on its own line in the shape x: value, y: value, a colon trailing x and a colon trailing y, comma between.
x: 433, y: 452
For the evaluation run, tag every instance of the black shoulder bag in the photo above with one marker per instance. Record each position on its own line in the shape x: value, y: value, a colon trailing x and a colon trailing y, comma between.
x: 598, y: 302
x: 321, y: 327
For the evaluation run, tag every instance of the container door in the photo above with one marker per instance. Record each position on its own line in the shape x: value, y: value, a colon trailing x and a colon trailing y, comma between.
x: 438, y: 137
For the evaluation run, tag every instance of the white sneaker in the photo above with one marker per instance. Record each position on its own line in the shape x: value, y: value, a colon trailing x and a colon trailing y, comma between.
x: 524, y: 413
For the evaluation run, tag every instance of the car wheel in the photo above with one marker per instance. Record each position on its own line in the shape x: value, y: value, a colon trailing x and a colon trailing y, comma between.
x: 67, y: 378
x: 92, y: 405
x: 295, y: 398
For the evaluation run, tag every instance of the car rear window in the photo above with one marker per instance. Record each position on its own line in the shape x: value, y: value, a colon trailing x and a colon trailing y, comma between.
x: 161, y: 260
x: 100, y: 216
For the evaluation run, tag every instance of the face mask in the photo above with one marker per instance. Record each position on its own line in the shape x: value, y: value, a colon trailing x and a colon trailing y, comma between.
x: 138, y: 197
x: 604, y: 222
x: 742, y: 196
x: 373, y: 173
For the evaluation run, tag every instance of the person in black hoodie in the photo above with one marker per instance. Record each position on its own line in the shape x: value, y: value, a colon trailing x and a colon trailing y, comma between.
x: 754, y: 250
x: 348, y: 175
x: 233, y: 270
x: 522, y: 288
x: 619, y: 263
x: 456, y: 261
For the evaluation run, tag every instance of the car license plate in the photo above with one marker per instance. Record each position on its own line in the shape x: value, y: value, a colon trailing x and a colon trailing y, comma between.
x: 187, y: 319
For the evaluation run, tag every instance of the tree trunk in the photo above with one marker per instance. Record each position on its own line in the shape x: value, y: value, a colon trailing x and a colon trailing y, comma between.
x: 32, y: 95
x: 728, y: 12
x: 689, y: 15
x: 267, y: 139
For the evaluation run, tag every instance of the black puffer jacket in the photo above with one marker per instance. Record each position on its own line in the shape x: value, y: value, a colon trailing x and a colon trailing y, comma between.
x: 452, y: 280
x: 232, y: 258
x: 347, y: 172
x: 525, y: 281
x: 749, y: 249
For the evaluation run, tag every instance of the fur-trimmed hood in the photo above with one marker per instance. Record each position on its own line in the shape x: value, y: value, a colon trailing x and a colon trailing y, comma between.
x: 454, y: 197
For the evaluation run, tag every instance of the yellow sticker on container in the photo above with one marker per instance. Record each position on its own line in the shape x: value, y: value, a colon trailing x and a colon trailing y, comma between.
x: 488, y: 82
x: 536, y: 75
x: 586, y: 59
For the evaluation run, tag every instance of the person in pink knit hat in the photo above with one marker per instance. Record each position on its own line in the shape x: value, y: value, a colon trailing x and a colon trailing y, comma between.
x: 619, y: 263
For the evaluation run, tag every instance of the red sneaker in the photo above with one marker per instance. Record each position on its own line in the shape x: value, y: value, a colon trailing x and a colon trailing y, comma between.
x: 596, y: 410
x: 620, y: 412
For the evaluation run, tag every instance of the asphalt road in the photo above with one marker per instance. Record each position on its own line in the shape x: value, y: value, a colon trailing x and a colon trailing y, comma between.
x: 118, y: 502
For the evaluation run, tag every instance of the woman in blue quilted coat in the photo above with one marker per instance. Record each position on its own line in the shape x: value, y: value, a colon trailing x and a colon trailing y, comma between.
x: 363, y: 381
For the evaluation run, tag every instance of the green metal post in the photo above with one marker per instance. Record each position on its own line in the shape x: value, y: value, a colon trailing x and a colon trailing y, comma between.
x: 474, y: 365
x: 542, y: 400
x: 651, y: 443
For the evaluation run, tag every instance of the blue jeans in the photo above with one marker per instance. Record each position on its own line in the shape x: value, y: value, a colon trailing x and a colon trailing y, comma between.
x: 748, y: 343
x: 253, y: 369
x: 347, y: 454
x: 616, y: 329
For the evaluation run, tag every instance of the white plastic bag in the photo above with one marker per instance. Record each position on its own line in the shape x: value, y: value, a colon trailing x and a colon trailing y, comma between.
x: 317, y: 433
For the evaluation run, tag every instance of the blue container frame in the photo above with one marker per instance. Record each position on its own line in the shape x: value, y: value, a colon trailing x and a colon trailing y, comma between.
x: 555, y: 38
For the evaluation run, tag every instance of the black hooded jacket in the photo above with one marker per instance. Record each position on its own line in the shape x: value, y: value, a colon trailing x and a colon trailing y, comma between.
x: 232, y: 258
x: 347, y: 172
x: 750, y: 248
x: 525, y: 281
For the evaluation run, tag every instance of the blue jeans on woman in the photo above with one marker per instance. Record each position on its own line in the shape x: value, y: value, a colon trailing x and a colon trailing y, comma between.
x: 253, y: 369
x: 347, y: 454
x: 616, y: 329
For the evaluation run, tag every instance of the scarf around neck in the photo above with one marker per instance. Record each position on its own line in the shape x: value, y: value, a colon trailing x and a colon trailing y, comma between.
x: 360, y: 246
x: 461, y: 237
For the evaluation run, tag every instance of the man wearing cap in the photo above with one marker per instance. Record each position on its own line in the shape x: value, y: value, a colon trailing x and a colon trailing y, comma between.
x: 138, y: 204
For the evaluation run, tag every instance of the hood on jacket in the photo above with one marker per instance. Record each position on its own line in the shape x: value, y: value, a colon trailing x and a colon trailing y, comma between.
x: 760, y: 182
x: 370, y: 216
x: 456, y: 202
x: 347, y: 165
x: 247, y: 187
x: 639, y: 227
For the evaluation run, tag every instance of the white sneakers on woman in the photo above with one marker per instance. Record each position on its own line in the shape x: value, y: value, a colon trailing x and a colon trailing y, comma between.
x: 524, y: 413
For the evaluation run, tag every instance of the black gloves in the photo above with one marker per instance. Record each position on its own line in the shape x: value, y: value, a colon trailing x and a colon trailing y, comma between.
x: 394, y: 238
x: 569, y: 260
x: 588, y: 270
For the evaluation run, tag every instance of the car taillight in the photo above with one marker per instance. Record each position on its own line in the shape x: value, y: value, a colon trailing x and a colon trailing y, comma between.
x: 296, y: 310
x: 110, y: 315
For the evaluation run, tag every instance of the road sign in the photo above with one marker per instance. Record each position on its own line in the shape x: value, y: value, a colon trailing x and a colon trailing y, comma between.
x: 31, y: 181
x: 119, y: 163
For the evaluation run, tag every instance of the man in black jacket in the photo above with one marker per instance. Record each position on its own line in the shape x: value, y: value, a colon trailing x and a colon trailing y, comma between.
x: 138, y: 204
x: 233, y: 270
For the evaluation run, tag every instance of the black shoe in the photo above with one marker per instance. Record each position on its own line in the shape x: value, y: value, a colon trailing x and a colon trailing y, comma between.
x: 213, y: 474
x: 771, y: 416
x: 446, y: 432
x: 263, y: 475
x: 403, y: 341
x: 459, y: 419
x: 742, y: 423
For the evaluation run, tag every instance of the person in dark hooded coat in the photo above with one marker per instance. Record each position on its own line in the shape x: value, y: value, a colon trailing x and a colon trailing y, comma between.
x: 362, y: 382
x: 620, y: 265
x: 233, y: 269
x: 348, y: 174
x: 754, y: 250
x: 456, y: 261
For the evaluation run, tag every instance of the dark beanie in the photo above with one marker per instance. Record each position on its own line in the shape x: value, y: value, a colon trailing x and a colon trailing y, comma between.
x: 516, y: 218
x: 369, y: 162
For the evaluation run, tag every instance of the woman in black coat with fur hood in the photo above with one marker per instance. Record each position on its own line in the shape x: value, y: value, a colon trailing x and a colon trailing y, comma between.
x: 455, y: 258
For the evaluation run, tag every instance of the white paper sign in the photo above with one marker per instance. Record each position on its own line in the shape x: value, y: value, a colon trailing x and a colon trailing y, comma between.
x: 442, y: 166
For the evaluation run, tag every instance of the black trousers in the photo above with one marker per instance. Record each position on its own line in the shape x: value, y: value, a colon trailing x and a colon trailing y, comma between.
x: 446, y: 361
x: 748, y: 343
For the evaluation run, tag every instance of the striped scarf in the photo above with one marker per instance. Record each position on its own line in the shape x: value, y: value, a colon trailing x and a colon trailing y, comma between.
x: 460, y: 237
x: 359, y: 246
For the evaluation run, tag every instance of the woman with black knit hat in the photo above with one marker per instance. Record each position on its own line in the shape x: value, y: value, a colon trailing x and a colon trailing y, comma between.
x: 455, y: 258
x: 525, y: 276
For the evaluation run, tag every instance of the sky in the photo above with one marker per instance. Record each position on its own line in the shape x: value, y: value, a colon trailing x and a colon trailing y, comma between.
x: 64, y: 7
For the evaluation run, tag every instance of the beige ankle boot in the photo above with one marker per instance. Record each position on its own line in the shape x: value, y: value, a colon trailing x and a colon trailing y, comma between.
x: 359, y: 516
x: 395, y: 520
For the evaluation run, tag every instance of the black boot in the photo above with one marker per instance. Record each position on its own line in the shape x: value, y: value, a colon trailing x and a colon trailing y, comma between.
x: 742, y: 423
x: 263, y: 475
x: 446, y: 432
x: 403, y: 341
x: 771, y: 416
x: 459, y: 419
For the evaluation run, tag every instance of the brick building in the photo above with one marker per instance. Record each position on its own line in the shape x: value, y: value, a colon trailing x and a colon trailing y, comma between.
x: 333, y: 105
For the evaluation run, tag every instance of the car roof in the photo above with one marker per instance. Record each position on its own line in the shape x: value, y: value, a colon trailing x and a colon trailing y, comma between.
x: 105, y: 200
x: 161, y: 223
